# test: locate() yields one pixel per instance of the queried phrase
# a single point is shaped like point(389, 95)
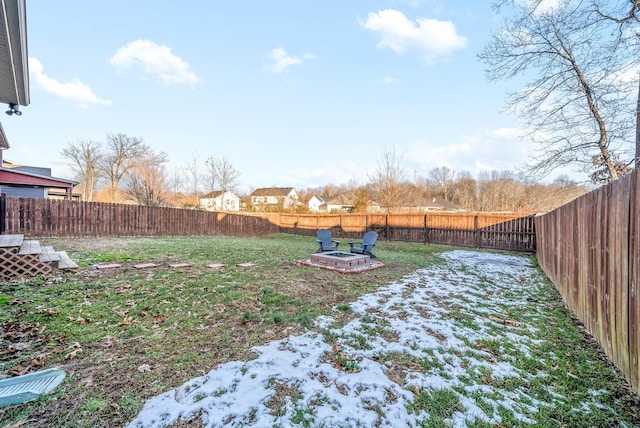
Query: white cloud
point(388, 80)
point(545, 6)
point(628, 74)
point(280, 60)
point(509, 133)
point(75, 90)
point(337, 173)
point(155, 60)
point(431, 37)
point(497, 149)
point(435, 5)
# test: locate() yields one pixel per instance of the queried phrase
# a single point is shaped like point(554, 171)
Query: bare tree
point(577, 105)
point(466, 191)
point(177, 181)
point(122, 155)
point(227, 174)
point(221, 174)
point(146, 183)
point(86, 157)
point(192, 175)
point(388, 182)
point(442, 180)
point(361, 202)
point(211, 174)
point(624, 16)
point(617, 12)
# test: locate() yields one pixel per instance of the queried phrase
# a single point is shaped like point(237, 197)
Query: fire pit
point(341, 261)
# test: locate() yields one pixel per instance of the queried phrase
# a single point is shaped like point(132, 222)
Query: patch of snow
point(424, 317)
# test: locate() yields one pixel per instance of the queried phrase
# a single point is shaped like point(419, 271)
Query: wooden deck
point(30, 247)
point(65, 261)
point(25, 258)
point(11, 240)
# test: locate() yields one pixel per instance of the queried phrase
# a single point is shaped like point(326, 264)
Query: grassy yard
point(125, 335)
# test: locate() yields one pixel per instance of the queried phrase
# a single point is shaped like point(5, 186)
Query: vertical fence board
point(60, 218)
point(589, 249)
point(33, 217)
point(634, 282)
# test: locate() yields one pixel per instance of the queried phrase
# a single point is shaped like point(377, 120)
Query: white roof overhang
point(14, 57)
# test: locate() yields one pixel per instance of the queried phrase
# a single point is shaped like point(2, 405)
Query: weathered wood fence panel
point(482, 230)
point(47, 217)
point(590, 249)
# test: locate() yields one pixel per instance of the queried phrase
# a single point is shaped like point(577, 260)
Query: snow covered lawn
point(454, 345)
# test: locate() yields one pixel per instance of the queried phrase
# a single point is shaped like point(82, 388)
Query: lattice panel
point(13, 264)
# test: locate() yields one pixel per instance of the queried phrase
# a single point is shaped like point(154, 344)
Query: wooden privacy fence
point(47, 217)
point(482, 230)
point(590, 249)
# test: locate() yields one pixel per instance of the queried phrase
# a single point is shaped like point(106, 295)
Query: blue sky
point(292, 93)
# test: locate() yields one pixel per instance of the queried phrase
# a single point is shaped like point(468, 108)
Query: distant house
point(346, 203)
point(274, 198)
point(315, 204)
point(430, 204)
point(33, 182)
point(220, 200)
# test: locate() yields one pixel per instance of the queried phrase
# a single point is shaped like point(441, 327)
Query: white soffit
point(14, 68)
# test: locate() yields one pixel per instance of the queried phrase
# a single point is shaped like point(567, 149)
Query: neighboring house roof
point(21, 175)
point(215, 194)
point(272, 191)
point(433, 204)
point(442, 204)
point(14, 176)
point(342, 199)
point(348, 199)
point(14, 62)
point(319, 198)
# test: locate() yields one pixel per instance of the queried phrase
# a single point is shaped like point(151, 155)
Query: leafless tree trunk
point(146, 183)
point(626, 16)
point(466, 191)
point(443, 180)
point(388, 182)
point(227, 174)
point(192, 173)
point(122, 155)
point(211, 174)
point(86, 157)
point(576, 105)
point(221, 172)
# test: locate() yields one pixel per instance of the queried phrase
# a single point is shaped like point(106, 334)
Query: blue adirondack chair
point(366, 245)
point(325, 242)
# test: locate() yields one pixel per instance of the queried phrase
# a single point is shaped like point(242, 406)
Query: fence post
point(476, 238)
point(386, 226)
point(3, 212)
point(426, 231)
